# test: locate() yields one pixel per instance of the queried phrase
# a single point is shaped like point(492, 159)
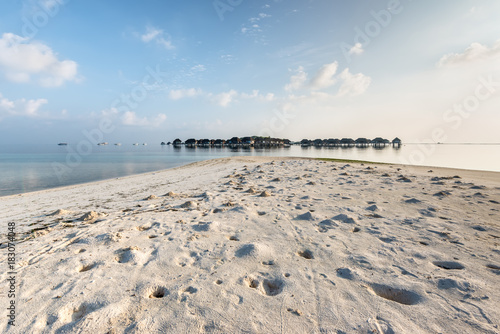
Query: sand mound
point(254, 250)
point(344, 219)
point(251, 190)
point(305, 216)
point(91, 215)
point(59, 212)
point(189, 205)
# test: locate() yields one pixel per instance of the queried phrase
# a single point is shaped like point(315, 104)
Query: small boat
point(118, 144)
point(144, 144)
point(136, 144)
point(63, 144)
point(103, 143)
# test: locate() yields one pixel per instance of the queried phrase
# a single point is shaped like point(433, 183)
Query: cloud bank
point(22, 60)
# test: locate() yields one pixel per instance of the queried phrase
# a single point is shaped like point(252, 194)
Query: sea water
point(36, 167)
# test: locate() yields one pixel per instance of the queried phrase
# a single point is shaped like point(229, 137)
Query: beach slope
point(259, 245)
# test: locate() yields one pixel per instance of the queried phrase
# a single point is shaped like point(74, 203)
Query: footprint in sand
point(380, 326)
point(268, 287)
point(75, 313)
point(184, 261)
point(190, 290)
point(448, 265)
point(294, 311)
point(345, 273)
point(401, 296)
point(143, 228)
point(494, 268)
point(126, 255)
point(448, 283)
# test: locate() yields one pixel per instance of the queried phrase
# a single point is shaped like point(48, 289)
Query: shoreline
point(486, 174)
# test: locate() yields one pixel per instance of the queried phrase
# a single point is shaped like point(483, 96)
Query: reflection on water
point(30, 168)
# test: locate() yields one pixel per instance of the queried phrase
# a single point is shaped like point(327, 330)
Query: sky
point(154, 70)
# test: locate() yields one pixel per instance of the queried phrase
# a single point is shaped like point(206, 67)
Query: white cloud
point(151, 33)
point(130, 118)
point(353, 84)
point(325, 76)
point(50, 4)
point(21, 107)
point(177, 94)
point(474, 52)
point(254, 30)
point(357, 49)
point(225, 99)
point(198, 68)
point(297, 81)
point(156, 35)
point(21, 59)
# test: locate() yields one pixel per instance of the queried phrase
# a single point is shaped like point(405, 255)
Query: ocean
point(26, 168)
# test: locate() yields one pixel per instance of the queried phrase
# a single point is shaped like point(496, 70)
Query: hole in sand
point(306, 254)
point(272, 287)
point(218, 282)
point(401, 296)
point(158, 292)
point(448, 265)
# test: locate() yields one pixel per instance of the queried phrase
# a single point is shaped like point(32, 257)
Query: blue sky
point(156, 70)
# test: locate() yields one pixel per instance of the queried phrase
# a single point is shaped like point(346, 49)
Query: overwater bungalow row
point(266, 142)
point(349, 142)
point(235, 142)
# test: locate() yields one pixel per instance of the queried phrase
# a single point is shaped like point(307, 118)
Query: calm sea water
point(30, 168)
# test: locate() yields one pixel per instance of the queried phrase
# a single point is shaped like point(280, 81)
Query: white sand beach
point(259, 245)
